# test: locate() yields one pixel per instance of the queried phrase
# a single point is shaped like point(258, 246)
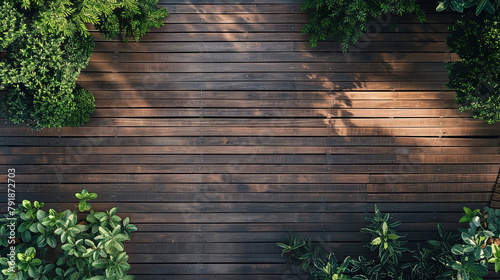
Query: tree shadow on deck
point(219, 134)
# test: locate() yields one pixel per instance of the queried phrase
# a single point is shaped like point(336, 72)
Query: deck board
point(222, 131)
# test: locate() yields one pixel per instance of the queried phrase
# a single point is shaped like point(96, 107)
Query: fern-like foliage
point(346, 21)
point(132, 19)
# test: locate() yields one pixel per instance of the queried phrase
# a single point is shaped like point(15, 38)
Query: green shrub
point(84, 107)
point(132, 18)
point(347, 21)
point(452, 257)
point(46, 44)
point(87, 249)
point(476, 76)
point(40, 73)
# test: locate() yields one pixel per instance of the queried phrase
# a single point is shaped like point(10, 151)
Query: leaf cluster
point(45, 44)
point(346, 21)
point(90, 249)
point(489, 6)
point(454, 256)
point(476, 76)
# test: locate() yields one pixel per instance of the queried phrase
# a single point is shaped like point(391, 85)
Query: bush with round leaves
point(88, 249)
point(476, 76)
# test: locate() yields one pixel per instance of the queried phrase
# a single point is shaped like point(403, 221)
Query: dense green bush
point(346, 21)
point(453, 256)
point(88, 249)
point(476, 76)
point(46, 44)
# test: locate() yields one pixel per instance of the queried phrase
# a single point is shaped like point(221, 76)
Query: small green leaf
point(441, 6)
point(464, 219)
point(476, 221)
point(376, 241)
point(51, 241)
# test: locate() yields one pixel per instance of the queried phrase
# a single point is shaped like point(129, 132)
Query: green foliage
point(490, 6)
point(45, 45)
point(82, 251)
point(312, 259)
point(452, 257)
point(475, 77)
point(347, 21)
point(132, 18)
point(387, 242)
point(432, 257)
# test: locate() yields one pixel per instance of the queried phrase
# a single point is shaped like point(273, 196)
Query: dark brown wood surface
point(223, 131)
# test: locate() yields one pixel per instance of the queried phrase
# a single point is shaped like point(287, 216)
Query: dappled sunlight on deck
point(223, 131)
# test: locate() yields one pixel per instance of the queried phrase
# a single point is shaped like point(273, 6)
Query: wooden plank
point(271, 37)
point(223, 130)
point(128, 78)
point(262, 67)
point(239, 150)
point(337, 141)
point(264, 95)
point(268, 57)
point(84, 168)
point(208, 47)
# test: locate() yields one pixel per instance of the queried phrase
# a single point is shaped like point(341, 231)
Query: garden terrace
point(223, 131)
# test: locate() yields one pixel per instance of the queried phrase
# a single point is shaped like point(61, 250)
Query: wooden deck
point(223, 131)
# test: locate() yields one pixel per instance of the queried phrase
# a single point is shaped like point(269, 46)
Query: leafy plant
point(476, 76)
point(45, 45)
point(490, 6)
point(452, 257)
point(432, 257)
point(82, 252)
point(347, 21)
point(312, 259)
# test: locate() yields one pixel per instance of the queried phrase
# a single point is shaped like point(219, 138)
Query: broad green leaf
point(40, 215)
point(116, 230)
point(121, 237)
point(80, 264)
point(458, 249)
point(489, 7)
point(467, 239)
point(470, 3)
point(385, 228)
point(476, 221)
point(32, 271)
point(480, 6)
point(457, 6)
point(66, 247)
point(441, 6)
point(104, 231)
point(376, 241)
point(51, 241)
point(464, 219)
point(100, 263)
point(118, 245)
